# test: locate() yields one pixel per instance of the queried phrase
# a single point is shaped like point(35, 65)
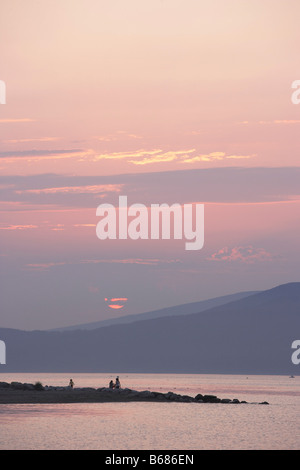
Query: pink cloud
point(42, 266)
point(117, 136)
point(244, 254)
point(93, 290)
point(148, 262)
point(93, 189)
point(139, 261)
point(22, 141)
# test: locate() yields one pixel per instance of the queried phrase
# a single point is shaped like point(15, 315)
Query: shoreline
point(18, 393)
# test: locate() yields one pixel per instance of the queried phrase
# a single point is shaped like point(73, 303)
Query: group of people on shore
point(112, 384)
point(117, 384)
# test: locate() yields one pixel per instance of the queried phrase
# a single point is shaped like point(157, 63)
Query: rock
point(28, 386)
point(133, 394)
point(146, 394)
point(186, 399)
point(127, 393)
point(172, 396)
point(199, 397)
point(211, 399)
point(132, 391)
point(4, 385)
point(17, 385)
point(159, 396)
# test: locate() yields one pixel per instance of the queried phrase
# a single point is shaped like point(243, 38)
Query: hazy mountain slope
point(250, 336)
point(193, 307)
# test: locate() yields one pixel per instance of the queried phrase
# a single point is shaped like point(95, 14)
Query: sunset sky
point(165, 101)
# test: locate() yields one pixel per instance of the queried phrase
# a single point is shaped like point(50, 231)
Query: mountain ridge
point(183, 309)
point(252, 335)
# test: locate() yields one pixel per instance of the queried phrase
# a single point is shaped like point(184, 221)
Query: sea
point(159, 426)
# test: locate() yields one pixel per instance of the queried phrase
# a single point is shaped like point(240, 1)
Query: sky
point(168, 101)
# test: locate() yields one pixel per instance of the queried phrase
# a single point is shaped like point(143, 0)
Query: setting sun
point(116, 303)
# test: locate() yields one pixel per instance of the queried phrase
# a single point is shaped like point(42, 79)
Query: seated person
point(111, 384)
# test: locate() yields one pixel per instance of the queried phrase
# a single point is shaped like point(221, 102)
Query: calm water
point(154, 426)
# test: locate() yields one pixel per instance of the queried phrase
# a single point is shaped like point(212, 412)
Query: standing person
point(71, 383)
point(118, 385)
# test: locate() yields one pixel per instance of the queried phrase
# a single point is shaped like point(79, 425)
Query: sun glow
point(116, 303)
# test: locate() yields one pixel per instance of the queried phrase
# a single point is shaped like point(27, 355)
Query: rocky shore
point(21, 393)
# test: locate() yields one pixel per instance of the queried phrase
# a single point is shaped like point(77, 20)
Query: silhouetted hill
point(252, 335)
point(185, 309)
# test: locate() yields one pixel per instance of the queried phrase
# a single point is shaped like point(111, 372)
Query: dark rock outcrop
point(17, 392)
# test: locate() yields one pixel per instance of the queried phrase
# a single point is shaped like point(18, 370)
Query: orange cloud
point(145, 157)
point(13, 120)
point(119, 299)
point(36, 155)
point(124, 155)
point(163, 157)
point(213, 156)
point(57, 227)
point(18, 227)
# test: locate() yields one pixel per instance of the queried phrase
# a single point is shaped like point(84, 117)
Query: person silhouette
point(71, 383)
point(118, 385)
